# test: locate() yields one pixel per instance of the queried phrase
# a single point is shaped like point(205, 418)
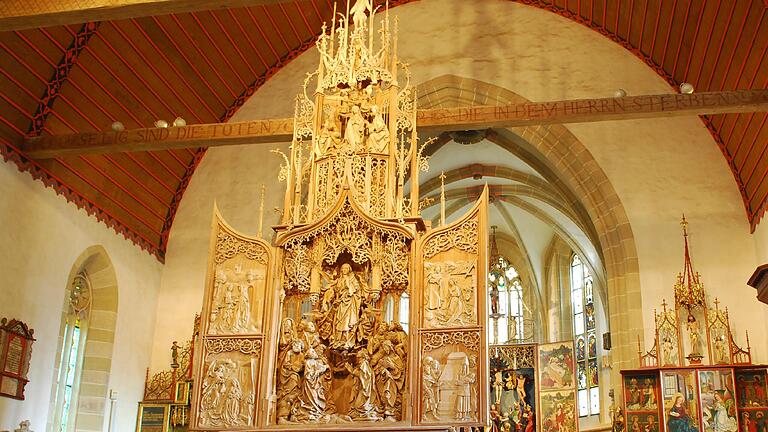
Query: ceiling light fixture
point(118, 126)
point(686, 88)
point(161, 124)
point(620, 93)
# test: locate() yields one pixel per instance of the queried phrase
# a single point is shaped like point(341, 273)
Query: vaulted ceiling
point(203, 66)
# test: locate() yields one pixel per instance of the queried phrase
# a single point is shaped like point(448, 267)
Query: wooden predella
point(356, 314)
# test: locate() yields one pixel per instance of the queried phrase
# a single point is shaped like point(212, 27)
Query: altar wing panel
point(452, 365)
point(228, 364)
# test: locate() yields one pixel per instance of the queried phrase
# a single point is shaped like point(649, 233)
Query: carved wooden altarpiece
point(355, 315)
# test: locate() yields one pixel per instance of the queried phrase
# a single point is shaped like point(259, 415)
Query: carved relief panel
point(453, 349)
point(228, 365)
point(450, 376)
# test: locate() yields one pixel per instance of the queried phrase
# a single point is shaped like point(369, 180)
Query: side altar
point(323, 326)
point(695, 378)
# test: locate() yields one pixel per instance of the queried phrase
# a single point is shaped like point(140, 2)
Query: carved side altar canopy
point(15, 354)
point(324, 325)
point(695, 377)
point(692, 332)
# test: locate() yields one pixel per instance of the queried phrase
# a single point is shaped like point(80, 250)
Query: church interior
point(394, 215)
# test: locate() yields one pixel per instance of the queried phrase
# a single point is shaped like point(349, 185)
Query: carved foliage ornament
point(464, 238)
point(346, 232)
point(434, 340)
point(228, 246)
point(246, 346)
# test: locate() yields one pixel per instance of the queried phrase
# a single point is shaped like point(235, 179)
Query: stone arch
point(567, 164)
point(94, 375)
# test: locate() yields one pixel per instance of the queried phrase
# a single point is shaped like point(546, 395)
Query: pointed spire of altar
point(689, 290)
point(442, 198)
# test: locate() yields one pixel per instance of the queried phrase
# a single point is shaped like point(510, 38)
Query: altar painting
point(718, 404)
point(681, 402)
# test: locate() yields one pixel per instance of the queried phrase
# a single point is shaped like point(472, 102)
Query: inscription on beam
point(430, 121)
point(588, 110)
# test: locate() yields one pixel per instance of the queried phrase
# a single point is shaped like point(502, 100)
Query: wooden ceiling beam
point(46, 13)
point(429, 121)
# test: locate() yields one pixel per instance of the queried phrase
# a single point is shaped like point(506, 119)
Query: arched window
point(506, 299)
point(585, 337)
point(72, 350)
point(403, 314)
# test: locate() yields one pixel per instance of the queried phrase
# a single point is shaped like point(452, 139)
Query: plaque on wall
point(152, 417)
point(15, 353)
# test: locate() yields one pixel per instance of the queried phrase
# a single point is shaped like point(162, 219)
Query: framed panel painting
point(558, 411)
point(751, 389)
point(513, 387)
point(681, 402)
point(718, 405)
point(556, 366)
point(641, 396)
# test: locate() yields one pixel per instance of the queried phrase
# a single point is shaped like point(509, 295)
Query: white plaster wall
point(42, 236)
point(660, 168)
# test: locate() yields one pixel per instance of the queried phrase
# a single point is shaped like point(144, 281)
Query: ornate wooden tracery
point(302, 331)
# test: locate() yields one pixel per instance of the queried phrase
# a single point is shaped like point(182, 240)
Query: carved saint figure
point(312, 402)
point(358, 11)
point(693, 333)
point(464, 382)
point(430, 378)
point(355, 129)
point(389, 378)
point(434, 287)
point(454, 307)
point(361, 404)
point(329, 138)
point(289, 380)
point(721, 349)
point(346, 294)
point(667, 352)
point(378, 132)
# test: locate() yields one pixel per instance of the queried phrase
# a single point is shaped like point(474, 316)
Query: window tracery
point(506, 299)
point(585, 338)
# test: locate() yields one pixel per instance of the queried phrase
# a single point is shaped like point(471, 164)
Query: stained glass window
point(71, 360)
point(506, 304)
point(584, 334)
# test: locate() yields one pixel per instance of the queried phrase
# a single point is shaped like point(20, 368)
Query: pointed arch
point(88, 400)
